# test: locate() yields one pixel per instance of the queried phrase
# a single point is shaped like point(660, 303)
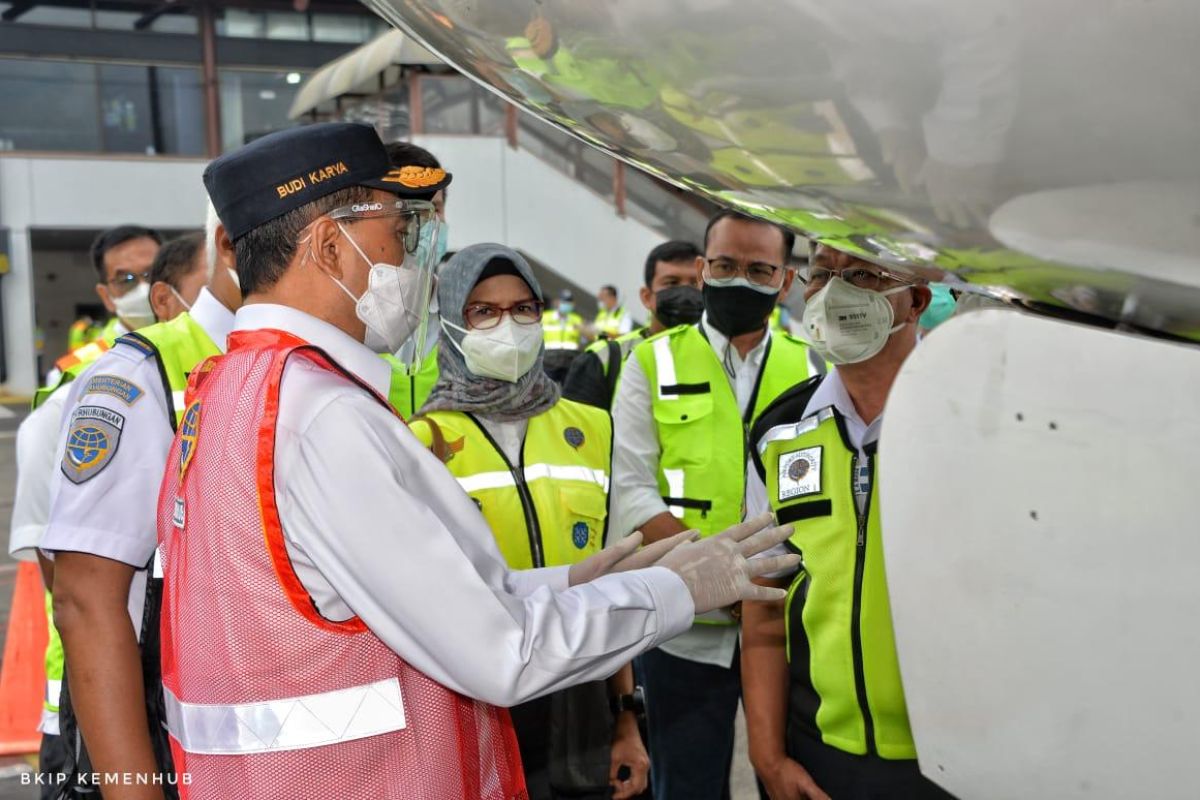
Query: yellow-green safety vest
point(550, 509)
point(561, 333)
point(701, 431)
point(841, 650)
point(407, 393)
point(609, 322)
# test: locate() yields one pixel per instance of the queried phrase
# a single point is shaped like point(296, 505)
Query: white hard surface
point(1042, 545)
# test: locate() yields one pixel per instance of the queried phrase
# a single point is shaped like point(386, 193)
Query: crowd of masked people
point(262, 584)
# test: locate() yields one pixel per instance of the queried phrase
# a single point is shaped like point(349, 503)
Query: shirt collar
point(212, 315)
point(720, 342)
point(350, 354)
point(831, 391)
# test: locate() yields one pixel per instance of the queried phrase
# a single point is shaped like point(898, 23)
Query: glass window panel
point(60, 16)
point(346, 28)
point(125, 113)
point(242, 24)
point(179, 105)
point(117, 20)
point(176, 23)
point(254, 103)
point(58, 106)
point(457, 105)
point(287, 25)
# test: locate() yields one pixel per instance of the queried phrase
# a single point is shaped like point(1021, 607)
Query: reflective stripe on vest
point(290, 723)
point(53, 692)
point(845, 677)
point(551, 507)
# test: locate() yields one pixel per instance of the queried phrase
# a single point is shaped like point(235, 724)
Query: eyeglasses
point(722, 270)
point(871, 278)
point(124, 282)
point(416, 214)
point(482, 316)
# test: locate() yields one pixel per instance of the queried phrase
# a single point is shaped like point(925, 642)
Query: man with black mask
point(686, 398)
point(672, 296)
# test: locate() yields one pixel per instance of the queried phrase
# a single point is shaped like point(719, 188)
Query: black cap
point(283, 171)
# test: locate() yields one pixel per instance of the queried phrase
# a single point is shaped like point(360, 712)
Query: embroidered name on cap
point(301, 182)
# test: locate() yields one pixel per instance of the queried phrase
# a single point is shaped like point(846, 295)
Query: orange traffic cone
point(23, 677)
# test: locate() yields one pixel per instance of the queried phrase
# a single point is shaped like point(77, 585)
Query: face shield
point(417, 229)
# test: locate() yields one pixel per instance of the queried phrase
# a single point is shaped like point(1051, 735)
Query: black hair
point(263, 253)
point(119, 235)
point(789, 238)
point(608, 287)
point(176, 259)
point(671, 252)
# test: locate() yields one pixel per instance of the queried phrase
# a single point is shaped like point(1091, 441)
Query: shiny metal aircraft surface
point(1048, 147)
point(1038, 475)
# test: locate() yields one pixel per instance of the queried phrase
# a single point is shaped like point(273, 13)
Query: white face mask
point(133, 307)
point(391, 306)
point(846, 324)
point(505, 352)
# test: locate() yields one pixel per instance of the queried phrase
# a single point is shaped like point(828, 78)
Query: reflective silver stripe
point(177, 400)
point(664, 364)
point(291, 723)
point(783, 433)
point(674, 478)
point(561, 345)
point(53, 692)
point(501, 479)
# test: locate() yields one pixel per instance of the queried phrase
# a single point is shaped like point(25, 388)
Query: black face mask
point(678, 305)
point(734, 310)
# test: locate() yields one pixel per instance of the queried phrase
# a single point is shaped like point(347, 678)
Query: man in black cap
point(337, 620)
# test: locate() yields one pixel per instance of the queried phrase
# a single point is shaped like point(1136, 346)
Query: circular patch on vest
point(579, 534)
point(798, 469)
point(189, 429)
point(574, 436)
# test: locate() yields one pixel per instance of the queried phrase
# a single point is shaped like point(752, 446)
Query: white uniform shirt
point(636, 497)
point(375, 526)
point(113, 513)
point(37, 461)
point(830, 392)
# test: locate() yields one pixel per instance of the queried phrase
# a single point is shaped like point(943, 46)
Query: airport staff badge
point(91, 442)
point(800, 473)
point(189, 429)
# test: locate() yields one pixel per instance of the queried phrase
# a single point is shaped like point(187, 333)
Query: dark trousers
point(52, 760)
point(849, 777)
point(690, 711)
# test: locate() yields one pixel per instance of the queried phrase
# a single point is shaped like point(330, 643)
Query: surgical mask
point(392, 305)
point(846, 324)
point(941, 307)
point(738, 306)
point(133, 307)
point(505, 352)
point(566, 308)
point(179, 297)
point(678, 305)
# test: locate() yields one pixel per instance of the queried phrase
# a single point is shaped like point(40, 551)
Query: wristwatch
point(635, 702)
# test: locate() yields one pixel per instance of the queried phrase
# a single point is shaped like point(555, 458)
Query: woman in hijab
point(537, 465)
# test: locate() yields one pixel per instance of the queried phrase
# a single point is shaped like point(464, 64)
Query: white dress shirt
point(37, 461)
point(376, 527)
point(114, 513)
point(830, 393)
point(636, 496)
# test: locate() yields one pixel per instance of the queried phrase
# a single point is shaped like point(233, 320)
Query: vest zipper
point(860, 563)
point(518, 473)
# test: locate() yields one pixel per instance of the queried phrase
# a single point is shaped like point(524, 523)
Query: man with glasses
point(119, 417)
point(824, 703)
point(122, 257)
point(686, 398)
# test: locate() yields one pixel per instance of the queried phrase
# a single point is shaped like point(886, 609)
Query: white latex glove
point(624, 555)
point(718, 570)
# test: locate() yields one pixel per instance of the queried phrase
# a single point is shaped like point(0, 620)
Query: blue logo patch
point(91, 442)
point(189, 429)
point(125, 391)
point(574, 437)
point(579, 534)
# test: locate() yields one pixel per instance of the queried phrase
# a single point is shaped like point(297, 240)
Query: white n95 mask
point(846, 324)
point(392, 305)
point(133, 307)
point(505, 352)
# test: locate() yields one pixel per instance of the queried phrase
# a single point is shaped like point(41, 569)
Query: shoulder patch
point(124, 390)
point(92, 442)
point(189, 431)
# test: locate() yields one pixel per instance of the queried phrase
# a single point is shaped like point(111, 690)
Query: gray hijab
point(459, 389)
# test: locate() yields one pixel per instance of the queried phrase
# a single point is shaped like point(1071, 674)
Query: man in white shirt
point(101, 529)
point(360, 528)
